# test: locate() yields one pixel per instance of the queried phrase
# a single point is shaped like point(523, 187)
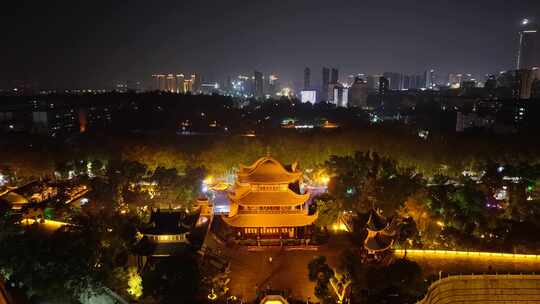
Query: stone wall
point(484, 289)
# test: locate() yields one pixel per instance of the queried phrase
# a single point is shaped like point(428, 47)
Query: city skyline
point(98, 46)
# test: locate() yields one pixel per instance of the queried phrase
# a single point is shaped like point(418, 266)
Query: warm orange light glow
point(208, 180)
point(50, 224)
point(212, 295)
point(340, 226)
point(325, 179)
point(466, 254)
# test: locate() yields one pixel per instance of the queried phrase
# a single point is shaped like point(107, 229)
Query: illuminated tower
point(529, 46)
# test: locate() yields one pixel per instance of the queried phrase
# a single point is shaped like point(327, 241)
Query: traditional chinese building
point(167, 234)
point(267, 202)
point(380, 235)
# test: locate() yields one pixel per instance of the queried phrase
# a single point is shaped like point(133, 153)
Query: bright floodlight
point(525, 21)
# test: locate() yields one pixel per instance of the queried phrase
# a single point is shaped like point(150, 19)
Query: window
point(262, 188)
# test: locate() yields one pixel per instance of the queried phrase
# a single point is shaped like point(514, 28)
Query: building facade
point(307, 79)
point(267, 202)
point(325, 84)
point(528, 56)
point(358, 93)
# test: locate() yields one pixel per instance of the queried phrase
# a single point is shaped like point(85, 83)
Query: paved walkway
point(251, 270)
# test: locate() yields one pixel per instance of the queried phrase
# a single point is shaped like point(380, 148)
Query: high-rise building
point(454, 80)
point(431, 79)
point(395, 80)
point(171, 83)
point(180, 83)
point(335, 76)
point(241, 86)
point(190, 84)
point(358, 93)
point(228, 85)
point(340, 95)
point(325, 84)
point(159, 82)
point(384, 83)
point(273, 85)
point(420, 81)
point(373, 82)
point(308, 96)
point(529, 46)
point(307, 78)
point(174, 83)
point(258, 82)
point(209, 88)
point(526, 79)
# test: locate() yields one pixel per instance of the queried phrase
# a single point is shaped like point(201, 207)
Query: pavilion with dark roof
point(168, 233)
point(380, 234)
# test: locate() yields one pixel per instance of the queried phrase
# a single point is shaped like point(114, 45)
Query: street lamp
point(212, 296)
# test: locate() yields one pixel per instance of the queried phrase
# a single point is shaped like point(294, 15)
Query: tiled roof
point(268, 170)
point(269, 198)
point(270, 220)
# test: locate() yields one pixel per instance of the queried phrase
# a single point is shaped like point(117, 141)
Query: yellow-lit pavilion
point(267, 202)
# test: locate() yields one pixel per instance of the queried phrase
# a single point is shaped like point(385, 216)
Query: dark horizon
point(95, 45)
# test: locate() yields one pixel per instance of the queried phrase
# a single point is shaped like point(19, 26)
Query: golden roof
point(270, 220)
point(267, 170)
point(268, 198)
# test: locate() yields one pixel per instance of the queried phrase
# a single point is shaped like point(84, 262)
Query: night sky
point(91, 44)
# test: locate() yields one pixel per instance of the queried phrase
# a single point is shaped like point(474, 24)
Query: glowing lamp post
point(212, 296)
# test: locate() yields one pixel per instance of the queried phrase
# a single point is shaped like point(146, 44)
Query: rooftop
point(270, 220)
point(167, 222)
point(376, 221)
point(267, 170)
point(269, 198)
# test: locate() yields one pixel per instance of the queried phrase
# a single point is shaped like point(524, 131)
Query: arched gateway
point(267, 202)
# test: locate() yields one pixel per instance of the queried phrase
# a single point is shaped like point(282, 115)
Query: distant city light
point(525, 21)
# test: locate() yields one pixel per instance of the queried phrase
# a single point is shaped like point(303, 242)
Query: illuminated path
point(48, 225)
point(433, 261)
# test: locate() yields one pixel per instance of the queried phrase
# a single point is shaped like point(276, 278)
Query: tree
point(368, 180)
point(173, 280)
point(321, 273)
point(328, 209)
point(402, 276)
